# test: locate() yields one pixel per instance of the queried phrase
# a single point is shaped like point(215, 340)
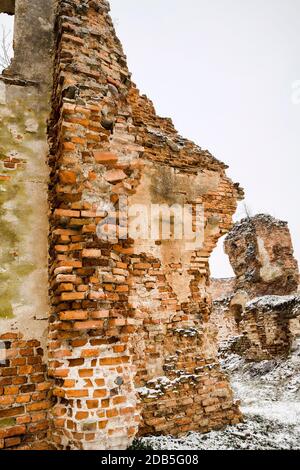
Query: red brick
point(72, 296)
point(67, 177)
point(6, 400)
point(9, 412)
point(105, 157)
point(77, 393)
point(44, 405)
point(12, 441)
point(90, 353)
point(12, 431)
point(85, 372)
point(80, 415)
point(91, 253)
point(74, 315)
point(88, 325)
point(113, 176)
point(92, 404)
point(66, 213)
point(101, 393)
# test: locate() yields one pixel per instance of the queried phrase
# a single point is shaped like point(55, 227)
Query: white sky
point(6, 30)
point(223, 70)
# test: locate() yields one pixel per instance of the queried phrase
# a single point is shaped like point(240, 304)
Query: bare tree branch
point(247, 211)
point(6, 49)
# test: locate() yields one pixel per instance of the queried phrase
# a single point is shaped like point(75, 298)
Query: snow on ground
point(269, 392)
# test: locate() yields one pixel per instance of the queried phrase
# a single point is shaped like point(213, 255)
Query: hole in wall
point(220, 266)
point(6, 39)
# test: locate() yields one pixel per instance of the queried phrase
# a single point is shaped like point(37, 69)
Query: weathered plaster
point(268, 271)
point(23, 198)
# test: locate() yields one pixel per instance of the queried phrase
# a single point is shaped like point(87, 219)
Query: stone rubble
point(270, 400)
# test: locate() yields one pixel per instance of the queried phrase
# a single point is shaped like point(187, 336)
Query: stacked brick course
point(24, 394)
point(267, 326)
point(119, 319)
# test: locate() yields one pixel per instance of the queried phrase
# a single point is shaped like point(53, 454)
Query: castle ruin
point(257, 313)
point(102, 340)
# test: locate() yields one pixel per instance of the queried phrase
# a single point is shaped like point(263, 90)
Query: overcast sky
point(223, 70)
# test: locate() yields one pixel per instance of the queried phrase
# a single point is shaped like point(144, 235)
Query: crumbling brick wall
point(24, 394)
point(266, 324)
point(129, 343)
point(261, 253)
point(24, 304)
point(223, 320)
point(126, 314)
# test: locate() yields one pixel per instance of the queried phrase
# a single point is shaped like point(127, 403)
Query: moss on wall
point(16, 213)
point(6, 422)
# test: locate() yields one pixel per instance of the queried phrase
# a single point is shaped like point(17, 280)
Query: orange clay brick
point(105, 157)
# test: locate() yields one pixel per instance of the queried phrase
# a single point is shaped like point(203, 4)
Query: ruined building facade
point(257, 313)
point(103, 339)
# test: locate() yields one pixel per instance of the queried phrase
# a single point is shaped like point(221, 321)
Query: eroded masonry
point(121, 344)
point(257, 313)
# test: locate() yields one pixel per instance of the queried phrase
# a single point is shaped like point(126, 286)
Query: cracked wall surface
point(130, 346)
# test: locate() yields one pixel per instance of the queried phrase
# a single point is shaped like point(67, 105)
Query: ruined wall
point(264, 328)
point(127, 347)
point(24, 305)
point(267, 324)
point(129, 318)
point(261, 253)
point(222, 288)
point(223, 320)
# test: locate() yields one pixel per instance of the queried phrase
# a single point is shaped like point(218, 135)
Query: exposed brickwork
point(267, 323)
point(261, 253)
point(24, 108)
point(223, 320)
point(120, 315)
point(24, 395)
point(130, 345)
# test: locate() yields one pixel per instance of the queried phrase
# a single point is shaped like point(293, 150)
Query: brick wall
point(222, 288)
point(128, 343)
point(24, 305)
point(261, 329)
point(24, 394)
point(260, 250)
point(121, 310)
